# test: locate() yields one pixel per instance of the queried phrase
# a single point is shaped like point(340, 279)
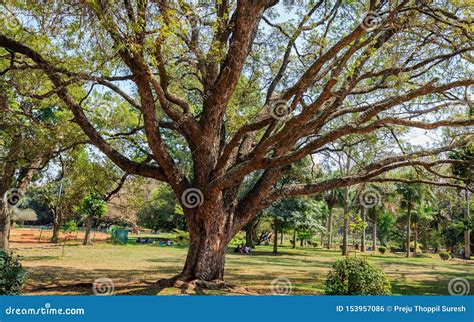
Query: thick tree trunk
point(408, 230)
point(88, 236)
point(362, 241)
point(211, 227)
point(5, 222)
point(206, 259)
point(275, 237)
point(467, 233)
point(329, 228)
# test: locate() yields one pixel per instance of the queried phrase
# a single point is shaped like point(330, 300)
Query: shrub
point(237, 241)
point(181, 236)
point(12, 274)
point(444, 256)
point(313, 243)
point(418, 247)
point(356, 276)
point(394, 247)
point(382, 249)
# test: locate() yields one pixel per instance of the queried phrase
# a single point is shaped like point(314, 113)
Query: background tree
point(31, 135)
point(91, 207)
point(160, 212)
point(385, 224)
point(465, 172)
point(331, 198)
point(410, 197)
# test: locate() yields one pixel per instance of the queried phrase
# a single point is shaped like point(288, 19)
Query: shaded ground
point(133, 269)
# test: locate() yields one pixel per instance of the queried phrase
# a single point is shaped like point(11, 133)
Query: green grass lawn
point(133, 267)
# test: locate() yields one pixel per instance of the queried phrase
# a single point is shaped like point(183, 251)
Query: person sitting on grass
point(238, 250)
point(247, 249)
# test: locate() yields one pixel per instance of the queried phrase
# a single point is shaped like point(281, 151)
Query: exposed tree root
point(196, 286)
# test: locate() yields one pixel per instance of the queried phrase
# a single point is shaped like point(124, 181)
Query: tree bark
point(208, 243)
point(88, 235)
point(362, 241)
point(408, 230)
point(329, 228)
point(206, 257)
point(281, 238)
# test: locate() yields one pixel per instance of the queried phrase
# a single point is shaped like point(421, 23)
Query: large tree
point(217, 92)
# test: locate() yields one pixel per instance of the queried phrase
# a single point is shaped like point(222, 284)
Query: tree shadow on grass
point(438, 286)
point(51, 280)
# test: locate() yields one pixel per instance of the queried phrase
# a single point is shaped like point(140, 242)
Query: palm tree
point(371, 203)
point(411, 195)
point(332, 199)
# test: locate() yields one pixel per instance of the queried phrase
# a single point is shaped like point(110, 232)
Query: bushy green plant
point(182, 236)
point(356, 276)
point(70, 226)
point(418, 247)
point(92, 205)
point(393, 246)
point(237, 241)
point(12, 274)
point(382, 249)
point(444, 256)
point(313, 243)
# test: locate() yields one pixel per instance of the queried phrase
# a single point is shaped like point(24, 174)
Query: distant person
point(237, 249)
point(247, 249)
